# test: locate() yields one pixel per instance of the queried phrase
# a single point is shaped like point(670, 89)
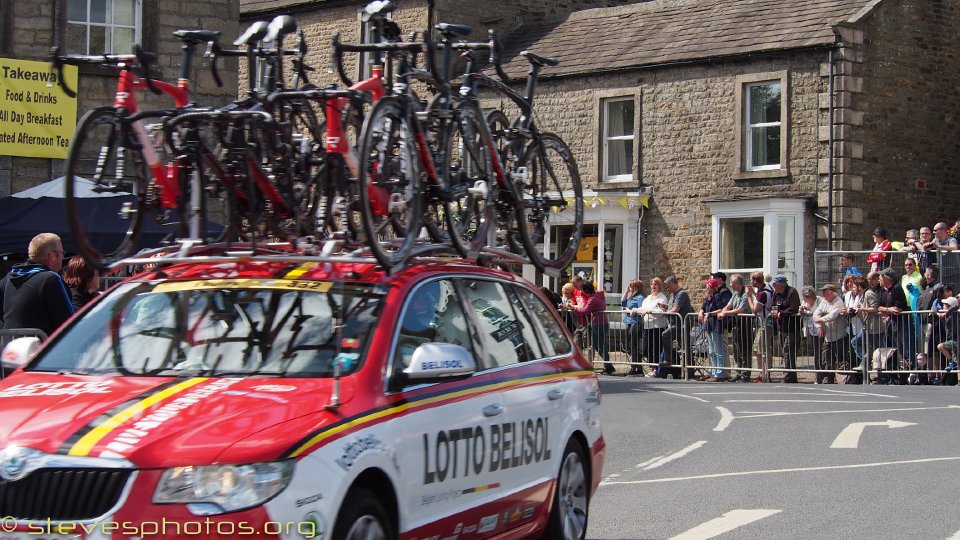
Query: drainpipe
point(830, 157)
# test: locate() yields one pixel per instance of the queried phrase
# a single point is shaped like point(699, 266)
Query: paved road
point(732, 460)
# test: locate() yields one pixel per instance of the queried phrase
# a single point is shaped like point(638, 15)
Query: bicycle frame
point(336, 142)
point(126, 99)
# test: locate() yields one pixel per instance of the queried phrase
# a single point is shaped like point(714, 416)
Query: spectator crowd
point(894, 326)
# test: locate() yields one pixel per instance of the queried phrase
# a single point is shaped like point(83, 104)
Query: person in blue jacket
point(33, 294)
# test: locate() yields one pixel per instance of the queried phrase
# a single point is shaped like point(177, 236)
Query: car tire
point(362, 517)
point(571, 498)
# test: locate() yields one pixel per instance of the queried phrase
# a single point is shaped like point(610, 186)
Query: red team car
point(290, 399)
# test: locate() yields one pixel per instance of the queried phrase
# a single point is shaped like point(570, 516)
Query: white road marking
point(761, 414)
point(817, 401)
point(753, 394)
point(850, 436)
point(647, 462)
point(781, 471)
point(726, 417)
point(685, 396)
point(854, 393)
point(730, 521)
point(956, 536)
point(664, 460)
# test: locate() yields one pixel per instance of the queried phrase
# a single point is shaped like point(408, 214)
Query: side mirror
point(17, 353)
point(437, 362)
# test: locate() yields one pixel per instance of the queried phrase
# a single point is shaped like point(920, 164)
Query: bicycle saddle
point(197, 36)
point(253, 34)
point(378, 7)
point(450, 31)
point(280, 26)
point(535, 58)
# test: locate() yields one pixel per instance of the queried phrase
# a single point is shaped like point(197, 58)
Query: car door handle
point(493, 410)
point(554, 394)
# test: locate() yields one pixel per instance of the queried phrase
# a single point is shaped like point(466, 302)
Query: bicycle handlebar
point(319, 93)
point(139, 60)
point(392, 46)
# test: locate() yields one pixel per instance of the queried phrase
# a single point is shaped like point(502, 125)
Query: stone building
point(718, 134)
point(29, 28)
point(766, 129)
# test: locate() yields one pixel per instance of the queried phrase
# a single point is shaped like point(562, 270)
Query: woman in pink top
point(593, 311)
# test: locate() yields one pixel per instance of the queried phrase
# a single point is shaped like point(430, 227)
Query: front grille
point(63, 494)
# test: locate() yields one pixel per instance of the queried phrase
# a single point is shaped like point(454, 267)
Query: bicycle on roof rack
point(382, 175)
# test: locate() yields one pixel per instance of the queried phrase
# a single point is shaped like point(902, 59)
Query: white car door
point(444, 440)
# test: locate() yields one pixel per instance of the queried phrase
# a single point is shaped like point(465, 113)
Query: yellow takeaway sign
point(37, 118)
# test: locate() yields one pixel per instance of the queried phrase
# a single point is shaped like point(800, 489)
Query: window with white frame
point(103, 26)
point(618, 139)
point(764, 234)
point(763, 125)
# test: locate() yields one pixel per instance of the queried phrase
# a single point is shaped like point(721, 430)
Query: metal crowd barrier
point(904, 351)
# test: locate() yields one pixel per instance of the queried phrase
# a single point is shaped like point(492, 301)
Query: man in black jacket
point(786, 308)
point(33, 294)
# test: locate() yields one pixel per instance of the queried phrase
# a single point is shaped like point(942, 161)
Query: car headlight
point(217, 489)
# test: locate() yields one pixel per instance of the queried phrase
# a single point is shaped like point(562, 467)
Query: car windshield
point(268, 327)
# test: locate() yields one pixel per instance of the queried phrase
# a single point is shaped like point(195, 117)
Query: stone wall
point(910, 129)
point(34, 25)
point(688, 145)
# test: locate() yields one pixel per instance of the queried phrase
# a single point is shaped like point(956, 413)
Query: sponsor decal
point(349, 343)
point(274, 388)
point(516, 515)
point(136, 432)
point(478, 489)
point(357, 448)
point(441, 364)
point(488, 524)
point(471, 450)
point(56, 389)
point(441, 496)
point(470, 529)
point(308, 500)
point(244, 283)
point(385, 413)
point(529, 510)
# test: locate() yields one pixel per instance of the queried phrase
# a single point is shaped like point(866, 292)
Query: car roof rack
point(305, 250)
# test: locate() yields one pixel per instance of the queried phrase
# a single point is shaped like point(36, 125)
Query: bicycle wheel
point(550, 184)
point(103, 152)
point(390, 180)
point(468, 167)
